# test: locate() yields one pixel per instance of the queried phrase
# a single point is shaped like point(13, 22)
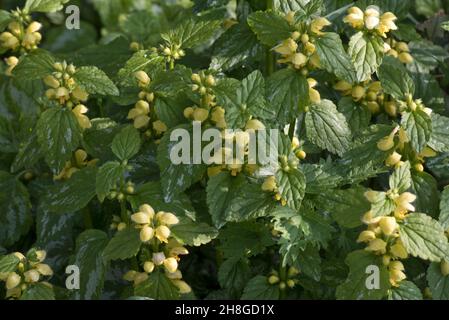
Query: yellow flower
point(405, 57)
point(393, 159)
point(299, 60)
point(143, 78)
point(254, 124)
point(358, 92)
point(44, 269)
point(171, 264)
point(287, 47)
point(444, 266)
point(200, 114)
point(372, 19)
point(387, 23)
point(366, 236)
point(343, 86)
point(31, 276)
point(355, 17)
point(13, 280)
point(147, 209)
point(396, 276)
point(141, 218)
point(273, 279)
point(162, 233)
point(388, 225)
point(269, 184)
point(159, 126)
point(130, 275)
point(405, 200)
point(398, 250)
point(182, 286)
point(318, 24)
point(167, 218)
point(148, 267)
point(146, 234)
point(377, 246)
point(83, 120)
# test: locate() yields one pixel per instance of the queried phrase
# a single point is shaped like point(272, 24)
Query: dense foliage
point(357, 90)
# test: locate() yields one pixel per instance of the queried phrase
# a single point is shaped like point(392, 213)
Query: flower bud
point(399, 251)
point(377, 245)
point(143, 106)
point(291, 283)
point(141, 218)
point(200, 114)
point(34, 27)
point(295, 35)
point(158, 258)
point(146, 234)
point(254, 124)
point(269, 184)
point(140, 277)
point(177, 275)
point(393, 159)
point(41, 255)
point(13, 280)
point(419, 167)
point(159, 126)
point(19, 256)
point(148, 267)
point(44, 269)
point(80, 94)
point(121, 226)
point(273, 279)
point(167, 218)
point(386, 144)
point(366, 236)
point(358, 92)
point(176, 251)
point(171, 264)
point(162, 233)
point(142, 77)
point(51, 82)
point(188, 112)
point(388, 225)
point(31, 276)
point(444, 266)
point(196, 78)
point(386, 259)
point(183, 287)
point(130, 275)
point(405, 57)
point(343, 86)
point(210, 81)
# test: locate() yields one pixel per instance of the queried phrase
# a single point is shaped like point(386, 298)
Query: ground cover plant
point(355, 204)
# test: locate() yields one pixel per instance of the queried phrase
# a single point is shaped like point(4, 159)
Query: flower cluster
point(142, 113)
point(165, 250)
point(64, 90)
point(382, 236)
point(30, 269)
point(79, 161)
point(368, 94)
point(400, 50)
point(395, 144)
point(22, 35)
point(289, 280)
point(371, 20)
point(172, 52)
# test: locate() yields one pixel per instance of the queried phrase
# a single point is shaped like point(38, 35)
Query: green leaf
point(5, 19)
point(38, 291)
point(444, 209)
point(327, 128)
point(334, 58)
point(157, 286)
point(292, 187)
point(244, 239)
point(8, 263)
point(127, 143)
point(270, 27)
point(44, 5)
point(426, 56)
point(245, 101)
point(234, 274)
point(29, 153)
point(424, 237)
point(401, 179)
point(382, 205)
point(407, 290)
point(438, 284)
point(193, 32)
point(221, 190)
point(439, 139)
point(59, 134)
point(73, 194)
point(88, 257)
point(355, 286)
point(95, 81)
point(357, 116)
point(347, 206)
point(305, 7)
point(366, 52)
point(395, 79)
point(258, 288)
point(177, 177)
point(34, 66)
point(107, 178)
point(193, 233)
point(425, 187)
point(15, 213)
point(418, 126)
point(235, 47)
point(288, 93)
point(124, 245)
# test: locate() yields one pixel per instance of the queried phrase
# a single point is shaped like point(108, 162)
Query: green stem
point(172, 64)
point(88, 224)
point(283, 277)
point(292, 129)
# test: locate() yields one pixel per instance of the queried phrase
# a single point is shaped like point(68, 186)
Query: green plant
point(357, 91)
